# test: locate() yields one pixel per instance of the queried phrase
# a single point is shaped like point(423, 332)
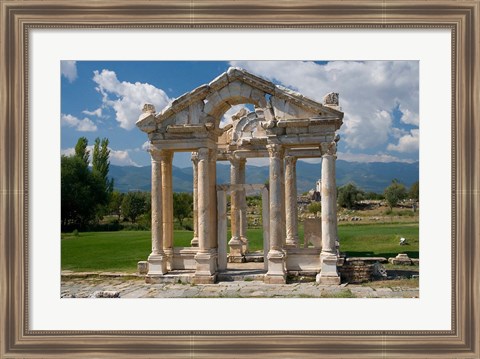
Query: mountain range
point(370, 177)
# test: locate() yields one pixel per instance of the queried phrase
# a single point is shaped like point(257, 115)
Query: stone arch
point(289, 126)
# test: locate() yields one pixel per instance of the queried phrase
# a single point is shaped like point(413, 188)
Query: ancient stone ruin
point(284, 127)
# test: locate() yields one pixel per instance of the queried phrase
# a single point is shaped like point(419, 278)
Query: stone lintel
point(301, 122)
point(187, 128)
point(191, 144)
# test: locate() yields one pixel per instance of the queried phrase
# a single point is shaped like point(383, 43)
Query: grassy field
point(120, 251)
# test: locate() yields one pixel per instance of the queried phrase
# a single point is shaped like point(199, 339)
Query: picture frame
point(18, 17)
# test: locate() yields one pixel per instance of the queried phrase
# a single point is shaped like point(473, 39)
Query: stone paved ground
point(131, 287)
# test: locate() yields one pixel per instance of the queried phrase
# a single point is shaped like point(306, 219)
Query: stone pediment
point(207, 103)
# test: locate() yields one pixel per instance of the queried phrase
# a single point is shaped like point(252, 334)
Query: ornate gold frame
point(17, 17)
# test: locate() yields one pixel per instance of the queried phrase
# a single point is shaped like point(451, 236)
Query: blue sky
point(380, 100)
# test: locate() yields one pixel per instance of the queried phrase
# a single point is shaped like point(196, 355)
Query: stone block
point(401, 259)
point(276, 268)
point(313, 232)
point(328, 275)
point(142, 267)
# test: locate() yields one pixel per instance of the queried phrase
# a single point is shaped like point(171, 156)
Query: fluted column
point(243, 207)
point(276, 256)
point(328, 256)
point(157, 265)
point(212, 173)
point(194, 241)
point(206, 258)
point(291, 200)
point(235, 243)
point(166, 158)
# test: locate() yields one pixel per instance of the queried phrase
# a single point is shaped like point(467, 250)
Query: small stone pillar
point(157, 261)
point(235, 243)
point(291, 201)
point(265, 225)
point(276, 256)
point(166, 158)
point(222, 228)
point(328, 257)
point(194, 241)
point(243, 206)
point(206, 257)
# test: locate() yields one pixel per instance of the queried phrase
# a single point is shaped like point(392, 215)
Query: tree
point(134, 204)
point(314, 207)
point(81, 150)
point(115, 205)
point(80, 192)
point(413, 193)
point(395, 193)
point(348, 195)
point(100, 167)
point(182, 206)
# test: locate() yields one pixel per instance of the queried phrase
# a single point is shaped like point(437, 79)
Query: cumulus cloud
point(97, 112)
point(117, 157)
point(69, 69)
point(408, 143)
point(363, 157)
point(369, 91)
point(126, 98)
point(85, 125)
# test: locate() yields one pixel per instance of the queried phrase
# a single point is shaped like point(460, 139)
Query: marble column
point(212, 172)
point(157, 264)
point(276, 256)
point(205, 258)
point(328, 256)
point(291, 201)
point(166, 158)
point(235, 243)
point(194, 241)
point(243, 207)
point(222, 229)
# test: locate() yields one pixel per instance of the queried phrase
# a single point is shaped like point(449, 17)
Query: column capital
point(203, 154)
point(161, 155)
point(290, 160)
point(275, 150)
point(195, 158)
point(328, 148)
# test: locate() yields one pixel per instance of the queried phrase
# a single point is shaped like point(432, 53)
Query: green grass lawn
point(120, 251)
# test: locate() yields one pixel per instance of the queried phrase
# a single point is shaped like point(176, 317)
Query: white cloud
point(407, 143)
point(121, 158)
point(369, 91)
point(363, 157)
point(85, 125)
point(146, 146)
point(97, 112)
point(117, 157)
point(129, 98)
point(69, 69)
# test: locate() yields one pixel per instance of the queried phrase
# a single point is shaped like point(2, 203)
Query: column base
point(236, 250)
point(206, 268)
point(169, 258)
point(157, 266)
point(244, 244)
point(292, 242)
point(328, 274)
point(276, 273)
point(194, 242)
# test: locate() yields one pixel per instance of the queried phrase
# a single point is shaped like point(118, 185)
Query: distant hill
point(373, 176)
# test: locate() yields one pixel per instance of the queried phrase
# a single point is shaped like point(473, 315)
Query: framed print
point(42, 42)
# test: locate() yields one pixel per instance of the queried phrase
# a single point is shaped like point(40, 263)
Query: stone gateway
point(284, 127)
